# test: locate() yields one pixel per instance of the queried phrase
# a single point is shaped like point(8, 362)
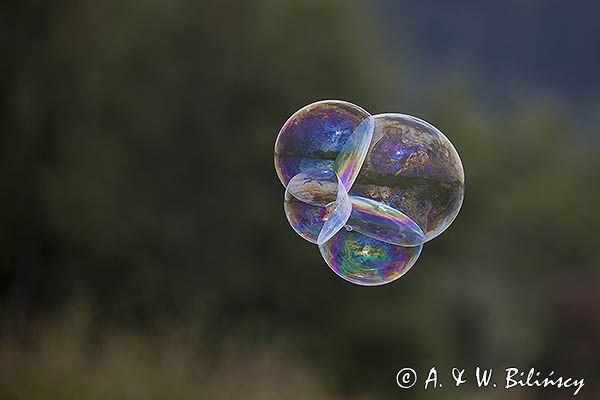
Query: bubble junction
point(392, 181)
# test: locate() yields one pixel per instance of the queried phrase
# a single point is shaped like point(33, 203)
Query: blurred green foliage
point(137, 178)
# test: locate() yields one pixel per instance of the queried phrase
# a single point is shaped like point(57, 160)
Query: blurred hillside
point(144, 252)
point(509, 49)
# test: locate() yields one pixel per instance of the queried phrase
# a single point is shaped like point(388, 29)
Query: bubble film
point(384, 223)
point(316, 204)
point(412, 167)
point(351, 157)
point(367, 261)
point(316, 134)
point(368, 190)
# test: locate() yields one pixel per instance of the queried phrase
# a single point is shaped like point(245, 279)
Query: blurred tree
point(138, 138)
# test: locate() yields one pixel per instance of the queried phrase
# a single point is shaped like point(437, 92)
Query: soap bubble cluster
point(367, 190)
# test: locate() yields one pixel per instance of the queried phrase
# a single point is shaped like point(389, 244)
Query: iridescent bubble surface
point(412, 167)
point(384, 223)
point(341, 210)
point(351, 157)
point(368, 190)
point(316, 204)
point(314, 136)
point(366, 261)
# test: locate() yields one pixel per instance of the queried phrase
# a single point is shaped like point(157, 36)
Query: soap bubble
point(316, 134)
point(316, 204)
point(350, 159)
point(392, 181)
point(383, 223)
point(379, 244)
point(412, 167)
point(366, 261)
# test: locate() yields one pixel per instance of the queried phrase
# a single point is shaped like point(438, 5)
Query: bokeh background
point(144, 253)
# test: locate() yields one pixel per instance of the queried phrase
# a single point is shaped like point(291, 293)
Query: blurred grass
point(64, 359)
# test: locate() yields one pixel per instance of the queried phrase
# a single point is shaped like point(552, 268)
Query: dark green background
point(144, 253)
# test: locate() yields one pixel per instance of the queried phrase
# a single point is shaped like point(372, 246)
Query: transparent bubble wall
point(368, 190)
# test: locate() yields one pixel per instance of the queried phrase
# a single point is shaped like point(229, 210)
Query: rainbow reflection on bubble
point(366, 261)
point(412, 167)
point(384, 223)
point(368, 190)
point(351, 157)
point(316, 204)
point(314, 137)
